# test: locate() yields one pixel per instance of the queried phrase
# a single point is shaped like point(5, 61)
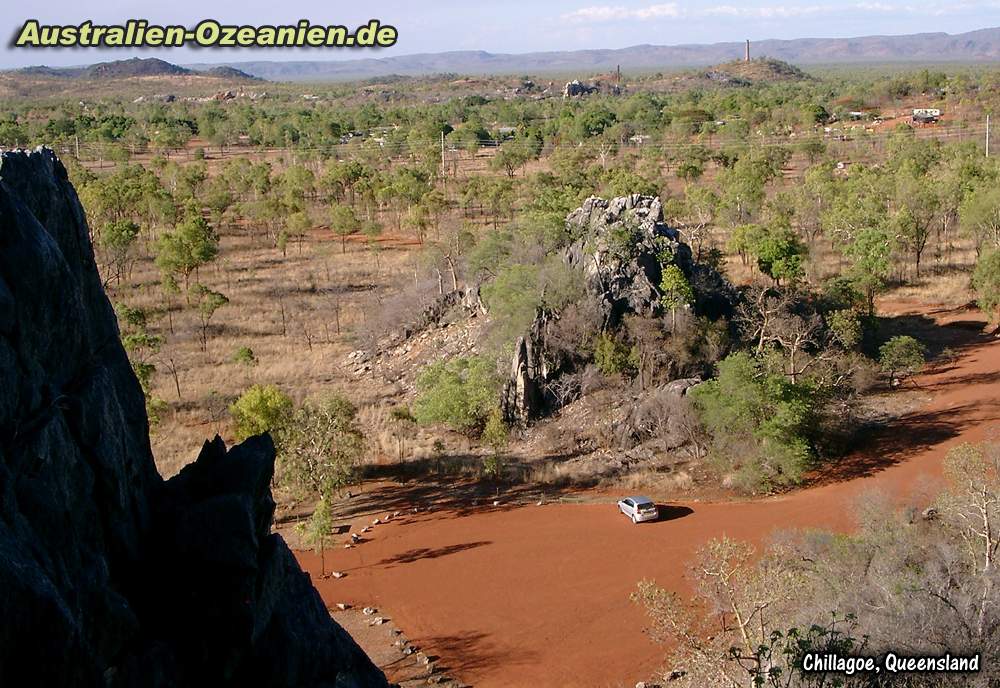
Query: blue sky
point(511, 26)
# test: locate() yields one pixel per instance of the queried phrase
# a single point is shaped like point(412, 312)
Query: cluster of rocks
point(619, 244)
point(110, 575)
point(575, 89)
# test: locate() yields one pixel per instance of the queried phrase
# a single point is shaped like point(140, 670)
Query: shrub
point(846, 327)
point(245, 356)
point(319, 447)
point(496, 436)
point(262, 408)
point(460, 392)
point(986, 282)
point(901, 357)
point(613, 357)
point(759, 422)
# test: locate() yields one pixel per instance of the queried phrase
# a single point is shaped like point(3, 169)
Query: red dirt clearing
point(539, 595)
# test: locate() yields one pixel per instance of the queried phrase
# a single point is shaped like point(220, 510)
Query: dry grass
point(285, 308)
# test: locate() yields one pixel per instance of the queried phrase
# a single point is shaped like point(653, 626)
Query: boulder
point(110, 576)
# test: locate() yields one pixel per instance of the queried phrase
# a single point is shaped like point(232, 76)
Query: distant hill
point(135, 67)
point(761, 69)
point(224, 72)
point(975, 46)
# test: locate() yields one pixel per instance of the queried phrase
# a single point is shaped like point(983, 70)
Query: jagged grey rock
point(619, 245)
point(574, 89)
point(110, 576)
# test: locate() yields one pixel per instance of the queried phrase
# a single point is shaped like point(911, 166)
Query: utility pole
point(987, 136)
point(442, 156)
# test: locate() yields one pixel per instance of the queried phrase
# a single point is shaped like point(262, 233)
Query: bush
point(901, 357)
point(986, 282)
point(759, 422)
point(460, 392)
point(319, 447)
point(519, 290)
point(262, 408)
point(612, 357)
point(244, 356)
point(496, 435)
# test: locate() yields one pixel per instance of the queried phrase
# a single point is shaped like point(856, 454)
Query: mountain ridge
point(978, 46)
point(981, 45)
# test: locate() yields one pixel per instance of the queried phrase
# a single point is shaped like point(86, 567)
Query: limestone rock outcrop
point(620, 246)
point(110, 576)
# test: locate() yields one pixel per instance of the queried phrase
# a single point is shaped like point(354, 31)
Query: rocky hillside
point(758, 70)
point(108, 575)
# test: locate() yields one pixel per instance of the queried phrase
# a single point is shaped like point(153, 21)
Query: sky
point(512, 26)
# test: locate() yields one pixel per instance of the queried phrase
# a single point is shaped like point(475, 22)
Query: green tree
point(297, 225)
point(460, 392)
point(261, 408)
point(779, 252)
point(918, 210)
point(316, 531)
point(139, 343)
point(319, 447)
point(986, 282)
point(613, 357)
point(185, 249)
point(901, 357)
point(117, 238)
point(979, 216)
point(343, 223)
point(759, 422)
point(244, 356)
point(208, 303)
point(871, 255)
point(496, 436)
point(676, 291)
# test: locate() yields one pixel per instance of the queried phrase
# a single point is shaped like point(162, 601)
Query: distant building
point(926, 115)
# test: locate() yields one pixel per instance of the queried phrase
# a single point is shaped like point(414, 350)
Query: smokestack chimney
point(747, 58)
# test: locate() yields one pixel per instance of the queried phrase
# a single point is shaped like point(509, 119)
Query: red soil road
point(539, 595)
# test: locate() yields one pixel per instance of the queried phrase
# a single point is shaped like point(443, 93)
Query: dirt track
point(538, 595)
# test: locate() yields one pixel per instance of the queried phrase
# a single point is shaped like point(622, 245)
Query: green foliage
point(759, 422)
point(460, 392)
point(343, 223)
point(846, 327)
point(986, 281)
point(979, 216)
point(619, 181)
point(613, 357)
point(244, 356)
point(779, 253)
point(117, 238)
point(319, 447)
point(261, 408)
point(207, 302)
point(519, 290)
point(190, 245)
point(139, 343)
point(676, 292)
point(317, 530)
point(901, 357)
point(496, 436)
